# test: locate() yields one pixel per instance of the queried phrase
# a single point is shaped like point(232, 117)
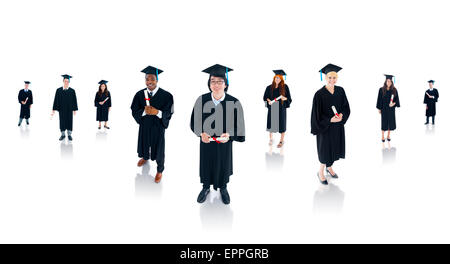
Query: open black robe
point(330, 136)
point(65, 103)
point(387, 113)
point(25, 108)
point(151, 141)
point(216, 159)
point(102, 110)
point(281, 105)
point(431, 102)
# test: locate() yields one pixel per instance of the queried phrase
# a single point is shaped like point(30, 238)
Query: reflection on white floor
point(145, 185)
point(66, 149)
point(214, 214)
point(389, 153)
point(274, 158)
point(328, 199)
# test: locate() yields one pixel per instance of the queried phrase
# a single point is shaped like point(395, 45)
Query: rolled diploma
point(334, 111)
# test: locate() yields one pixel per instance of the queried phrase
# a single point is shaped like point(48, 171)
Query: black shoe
point(389, 139)
point(99, 127)
point(18, 125)
point(62, 138)
point(332, 176)
point(225, 196)
point(383, 140)
point(325, 182)
point(433, 123)
point(107, 127)
point(426, 123)
point(202, 195)
point(70, 138)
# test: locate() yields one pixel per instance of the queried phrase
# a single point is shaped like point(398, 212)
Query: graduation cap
point(280, 72)
point(329, 68)
point(102, 82)
point(431, 81)
point(218, 70)
point(27, 82)
point(152, 70)
point(66, 76)
point(390, 77)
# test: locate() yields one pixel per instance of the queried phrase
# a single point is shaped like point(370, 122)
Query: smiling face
point(277, 80)
point(331, 78)
point(26, 86)
point(151, 81)
point(66, 82)
point(430, 84)
point(217, 85)
point(103, 87)
point(388, 83)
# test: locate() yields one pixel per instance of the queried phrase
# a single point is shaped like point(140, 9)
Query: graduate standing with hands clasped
point(103, 103)
point(25, 100)
point(152, 109)
point(65, 103)
point(387, 101)
point(330, 112)
point(430, 99)
point(278, 98)
point(218, 120)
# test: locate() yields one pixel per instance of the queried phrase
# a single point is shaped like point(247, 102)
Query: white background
point(91, 189)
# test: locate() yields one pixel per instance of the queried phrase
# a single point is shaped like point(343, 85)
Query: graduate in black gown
point(65, 103)
point(430, 99)
point(103, 103)
point(277, 98)
point(152, 108)
point(25, 100)
point(330, 112)
point(386, 103)
point(218, 120)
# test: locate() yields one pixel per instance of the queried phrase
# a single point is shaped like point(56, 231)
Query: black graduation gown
point(65, 103)
point(431, 102)
point(281, 126)
point(25, 108)
point(152, 128)
point(330, 136)
point(216, 159)
point(387, 113)
point(102, 110)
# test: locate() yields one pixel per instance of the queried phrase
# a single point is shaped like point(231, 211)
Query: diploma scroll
point(334, 111)
point(147, 99)
point(276, 99)
point(218, 139)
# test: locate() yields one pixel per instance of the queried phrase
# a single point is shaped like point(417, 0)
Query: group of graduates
point(217, 119)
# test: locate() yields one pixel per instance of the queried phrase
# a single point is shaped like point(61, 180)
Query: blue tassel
point(285, 77)
point(321, 75)
point(227, 76)
point(157, 75)
point(394, 80)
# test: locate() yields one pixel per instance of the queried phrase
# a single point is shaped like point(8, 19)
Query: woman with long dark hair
point(386, 103)
point(330, 112)
point(103, 104)
point(277, 98)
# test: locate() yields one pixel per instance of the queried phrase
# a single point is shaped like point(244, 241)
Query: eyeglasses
point(217, 82)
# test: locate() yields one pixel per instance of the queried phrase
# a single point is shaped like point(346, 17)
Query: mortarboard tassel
point(321, 75)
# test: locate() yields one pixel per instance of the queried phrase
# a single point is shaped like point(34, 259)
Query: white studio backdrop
point(92, 191)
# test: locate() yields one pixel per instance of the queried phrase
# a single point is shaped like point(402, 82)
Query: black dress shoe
point(383, 140)
point(426, 123)
point(202, 195)
point(70, 138)
point(62, 138)
point(325, 182)
point(332, 176)
point(99, 127)
point(225, 196)
point(107, 127)
point(388, 139)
